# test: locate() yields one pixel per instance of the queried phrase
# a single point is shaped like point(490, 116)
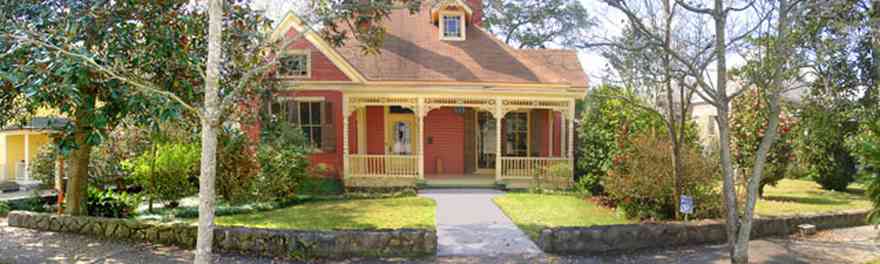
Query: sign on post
point(687, 205)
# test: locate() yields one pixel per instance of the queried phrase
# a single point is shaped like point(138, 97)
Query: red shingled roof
point(413, 51)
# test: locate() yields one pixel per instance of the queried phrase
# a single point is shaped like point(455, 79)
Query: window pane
point(294, 65)
point(316, 136)
point(452, 26)
point(304, 113)
point(316, 114)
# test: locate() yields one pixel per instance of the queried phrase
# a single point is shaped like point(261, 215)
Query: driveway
point(469, 224)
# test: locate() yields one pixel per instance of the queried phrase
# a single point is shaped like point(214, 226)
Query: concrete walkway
point(469, 224)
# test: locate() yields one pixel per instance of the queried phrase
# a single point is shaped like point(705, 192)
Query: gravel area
point(850, 245)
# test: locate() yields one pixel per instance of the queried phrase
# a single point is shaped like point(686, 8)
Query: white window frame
point(308, 54)
point(461, 24)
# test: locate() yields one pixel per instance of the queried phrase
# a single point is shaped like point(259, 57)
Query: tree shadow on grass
point(807, 200)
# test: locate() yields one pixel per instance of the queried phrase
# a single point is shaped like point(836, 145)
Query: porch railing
point(384, 165)
point(535, 167)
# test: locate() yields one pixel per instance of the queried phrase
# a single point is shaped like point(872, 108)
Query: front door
point(402, 137)
point(486, 143)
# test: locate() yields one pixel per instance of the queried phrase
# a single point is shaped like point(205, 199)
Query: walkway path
point(469, 224)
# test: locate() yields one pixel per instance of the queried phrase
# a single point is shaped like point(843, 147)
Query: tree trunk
point(78, 180)
point(673, 131)
point(209, 135)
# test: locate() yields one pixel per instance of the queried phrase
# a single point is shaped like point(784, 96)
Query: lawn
point(534, 212)
point(798, 197)
point(392, 213)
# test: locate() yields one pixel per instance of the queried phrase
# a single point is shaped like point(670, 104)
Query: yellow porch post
point(345, 155)
point(27, 156)
point(422, 112)
point(499, 114)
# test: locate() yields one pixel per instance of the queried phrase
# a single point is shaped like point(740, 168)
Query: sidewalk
point(470, 224)
point(850, 245)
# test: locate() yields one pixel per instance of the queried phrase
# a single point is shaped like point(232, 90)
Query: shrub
point(642, 185)
point(110, 204)
point(283, 163)
point(236, 166)
point(167, 173)
point(42, 167)
point(605, 120)
point(320, 187)
point(822, 146)
point(866, 146)
point(749, 119)
point(558, 178)
point(4, 209)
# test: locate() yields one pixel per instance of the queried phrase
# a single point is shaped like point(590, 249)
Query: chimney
point(477, 6)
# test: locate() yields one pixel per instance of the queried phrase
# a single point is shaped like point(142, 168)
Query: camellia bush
point(608, 116)
point(750, 117)
point(641, 181)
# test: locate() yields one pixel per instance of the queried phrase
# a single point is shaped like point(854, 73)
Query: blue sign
point(687, 204)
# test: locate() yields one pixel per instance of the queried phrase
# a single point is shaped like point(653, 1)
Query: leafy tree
point(608, 117)
point(747, 126)
point(538, 23)
point(837, 36)
point(866, 147)
point(701, 44)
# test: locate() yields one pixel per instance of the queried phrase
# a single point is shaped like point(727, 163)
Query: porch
point(456, 141)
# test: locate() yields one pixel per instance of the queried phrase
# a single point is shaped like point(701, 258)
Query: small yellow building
point(20, 144)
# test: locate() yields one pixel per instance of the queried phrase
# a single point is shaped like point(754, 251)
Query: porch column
point(421, 111)
point(345, 155)
point(27, 156)
point(499, 114)
point(552, 123)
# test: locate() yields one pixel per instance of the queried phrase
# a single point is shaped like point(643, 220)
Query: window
point(452, 26)
point(295, 64)
point(516, 130)
point(311, 115)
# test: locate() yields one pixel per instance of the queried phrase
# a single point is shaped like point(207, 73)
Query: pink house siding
point(446, 129)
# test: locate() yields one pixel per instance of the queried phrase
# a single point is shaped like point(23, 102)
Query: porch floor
point(460, 181)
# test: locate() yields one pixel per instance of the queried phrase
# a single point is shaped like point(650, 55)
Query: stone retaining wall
point(252, 241)
point(603, 239)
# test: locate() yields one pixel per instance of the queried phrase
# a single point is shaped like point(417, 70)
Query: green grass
point(393, 213)
point(534, 212)
point(799, 197)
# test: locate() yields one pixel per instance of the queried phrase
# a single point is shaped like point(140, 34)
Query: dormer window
point(295, 64)
point(452, 26)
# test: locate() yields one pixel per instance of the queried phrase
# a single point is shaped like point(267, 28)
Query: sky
point(609, 23)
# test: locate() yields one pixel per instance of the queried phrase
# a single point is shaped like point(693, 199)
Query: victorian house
point(443, 100)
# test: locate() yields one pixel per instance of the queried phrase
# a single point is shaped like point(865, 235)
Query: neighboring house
point(20, 144)
point(704, 113)
point(442, 100)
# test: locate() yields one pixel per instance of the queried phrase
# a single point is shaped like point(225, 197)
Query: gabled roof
point(413, 51)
